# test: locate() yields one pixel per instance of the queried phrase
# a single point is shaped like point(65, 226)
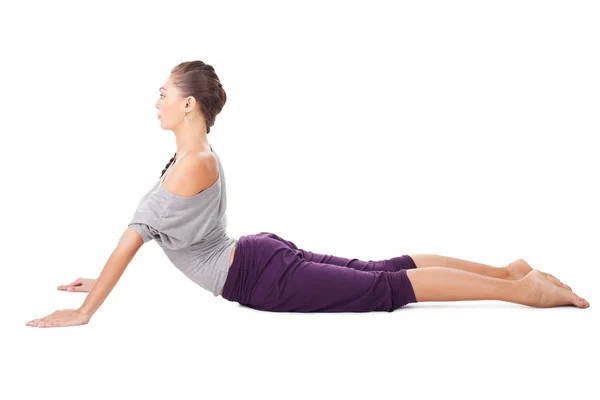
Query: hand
point(78, 285)
point(69, 317)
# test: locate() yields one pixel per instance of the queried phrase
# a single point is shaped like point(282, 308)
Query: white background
point(360, 129)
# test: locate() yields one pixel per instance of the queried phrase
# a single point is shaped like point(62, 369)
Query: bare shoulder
point(193, 173)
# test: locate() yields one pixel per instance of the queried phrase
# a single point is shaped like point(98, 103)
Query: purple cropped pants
point(270, 273)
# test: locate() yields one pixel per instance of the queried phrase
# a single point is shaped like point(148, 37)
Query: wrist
point(85, 313)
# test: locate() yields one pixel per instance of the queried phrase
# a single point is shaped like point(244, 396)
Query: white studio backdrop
point(361, 129)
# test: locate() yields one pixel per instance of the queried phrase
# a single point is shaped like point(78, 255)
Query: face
point(171, 105)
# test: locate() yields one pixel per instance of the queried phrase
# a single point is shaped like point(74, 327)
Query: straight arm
point(128, 245)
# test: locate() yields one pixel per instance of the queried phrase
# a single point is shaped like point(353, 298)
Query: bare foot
point(541, 291)
point(520, 268)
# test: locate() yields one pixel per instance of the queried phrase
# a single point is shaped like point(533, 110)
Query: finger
point(76, 282)
point(42, 321)
point(69, 288)
point(49, 317)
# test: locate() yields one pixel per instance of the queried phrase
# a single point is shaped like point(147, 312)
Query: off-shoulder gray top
point(191, 230)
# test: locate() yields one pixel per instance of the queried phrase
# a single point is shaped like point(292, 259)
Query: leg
point(433, 260)
point(277, 278)
point(389, 264)
point(519, 270)
point(515, 270)
point(297, 285)
point(269, 274)
point(449, 284)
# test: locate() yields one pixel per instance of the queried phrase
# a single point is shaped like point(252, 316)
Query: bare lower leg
point(515, 270)
point(438, 283)
point(433, 260)
point(449, 284)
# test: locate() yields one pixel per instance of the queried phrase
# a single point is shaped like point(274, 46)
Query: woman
point(184, 212)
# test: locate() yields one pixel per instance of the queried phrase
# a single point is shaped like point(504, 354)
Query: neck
point(190, 136)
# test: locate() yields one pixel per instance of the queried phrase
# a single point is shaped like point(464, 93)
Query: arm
point(128, 245)
point(177, 182)
point(147, 224)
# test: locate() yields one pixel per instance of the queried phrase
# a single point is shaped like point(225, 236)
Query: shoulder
point(193, 173)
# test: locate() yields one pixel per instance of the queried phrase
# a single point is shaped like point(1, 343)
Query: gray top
point(191, 230)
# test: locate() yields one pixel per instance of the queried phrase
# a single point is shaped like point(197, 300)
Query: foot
point(520, 268)
point(540, 291)
point(517, 269)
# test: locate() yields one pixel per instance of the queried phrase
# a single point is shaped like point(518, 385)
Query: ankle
point(525, 291)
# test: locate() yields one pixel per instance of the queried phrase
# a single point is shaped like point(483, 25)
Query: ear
point(190, 102)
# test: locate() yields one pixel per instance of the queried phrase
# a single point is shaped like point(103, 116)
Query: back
point(192, 231)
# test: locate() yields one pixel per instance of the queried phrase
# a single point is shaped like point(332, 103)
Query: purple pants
point(269, 273)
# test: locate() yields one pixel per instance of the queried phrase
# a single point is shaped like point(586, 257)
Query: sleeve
point(146, 231)
point(148, 217)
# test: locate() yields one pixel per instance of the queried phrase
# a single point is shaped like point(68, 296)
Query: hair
point(198, 79)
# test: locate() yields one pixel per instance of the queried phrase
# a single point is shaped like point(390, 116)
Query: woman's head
point(192, 88)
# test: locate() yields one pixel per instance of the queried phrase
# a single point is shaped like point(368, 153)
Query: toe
point(554, 280)
point(577, 301)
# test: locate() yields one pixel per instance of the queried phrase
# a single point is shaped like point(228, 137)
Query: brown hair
point(198, 79)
